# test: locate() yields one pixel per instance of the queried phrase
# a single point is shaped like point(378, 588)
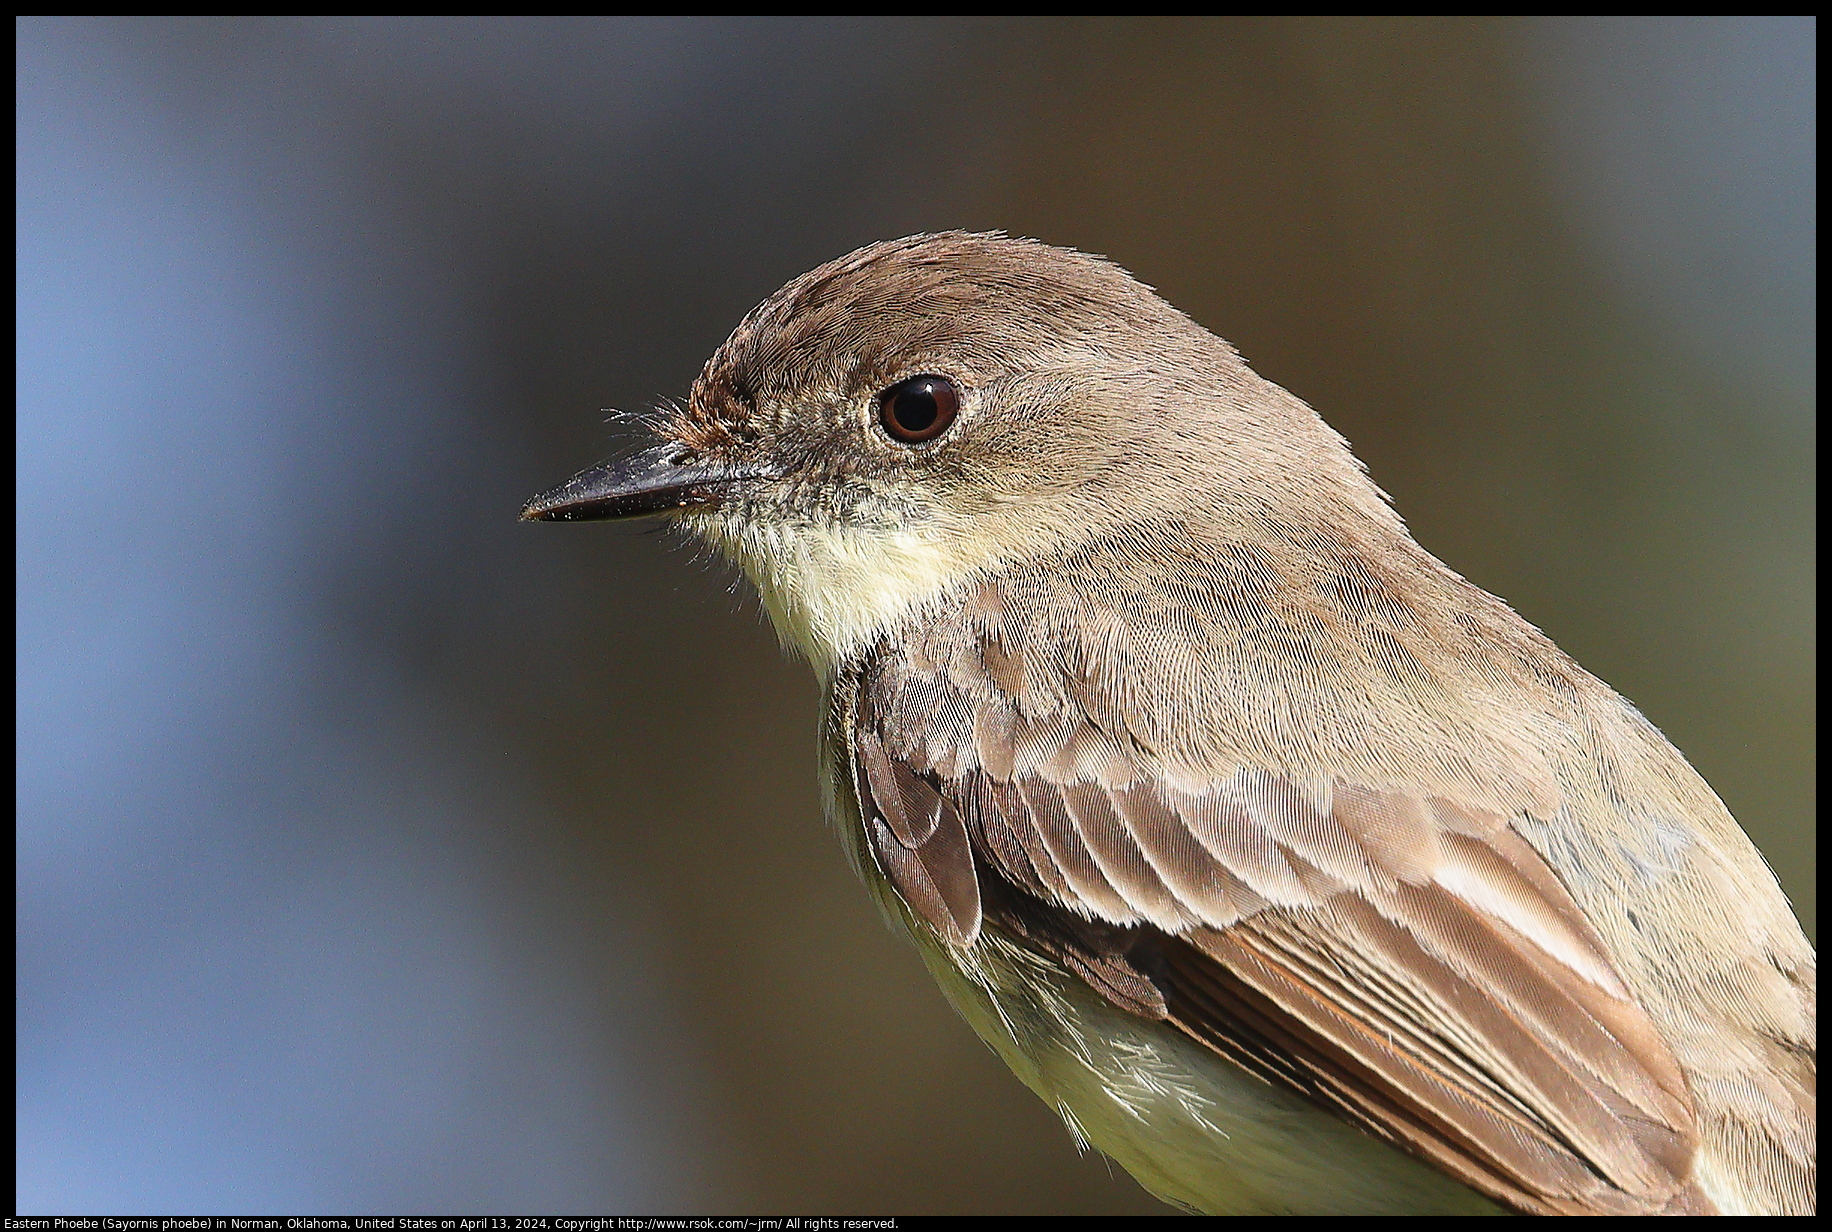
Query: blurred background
point(377, 852)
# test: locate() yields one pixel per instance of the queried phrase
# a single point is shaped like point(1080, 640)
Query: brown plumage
point(1316, 933)
point(1138, 686)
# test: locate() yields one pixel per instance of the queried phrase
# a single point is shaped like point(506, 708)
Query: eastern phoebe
point(1297, 873)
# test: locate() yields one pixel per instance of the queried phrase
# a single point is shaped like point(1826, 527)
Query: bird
point(1296, 872)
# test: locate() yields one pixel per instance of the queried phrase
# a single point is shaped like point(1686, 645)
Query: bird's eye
point(919, 409)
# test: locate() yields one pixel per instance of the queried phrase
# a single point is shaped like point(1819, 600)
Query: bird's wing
point(1403, 958)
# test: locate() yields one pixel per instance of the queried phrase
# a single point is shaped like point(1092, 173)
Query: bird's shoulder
point(1080, 756)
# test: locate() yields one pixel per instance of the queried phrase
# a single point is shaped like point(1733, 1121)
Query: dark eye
point(919, 409)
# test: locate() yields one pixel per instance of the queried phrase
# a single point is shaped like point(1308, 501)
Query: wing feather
point(1090, 811)
point(1404, 959)
point(1204, 886)
point(919, 841)
point(1091, 893)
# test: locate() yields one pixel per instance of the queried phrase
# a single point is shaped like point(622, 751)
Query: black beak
point(667, 476)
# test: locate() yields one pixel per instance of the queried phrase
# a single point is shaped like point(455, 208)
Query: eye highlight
point(919, 409)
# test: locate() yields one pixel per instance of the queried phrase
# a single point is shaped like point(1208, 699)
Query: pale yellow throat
point(832, 592)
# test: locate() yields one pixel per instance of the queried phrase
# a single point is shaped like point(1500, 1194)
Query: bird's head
point(894, 424)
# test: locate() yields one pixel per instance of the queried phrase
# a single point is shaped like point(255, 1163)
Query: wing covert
point(1403, 958)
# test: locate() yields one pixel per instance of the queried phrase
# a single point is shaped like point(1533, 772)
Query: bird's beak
point(656, 480)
